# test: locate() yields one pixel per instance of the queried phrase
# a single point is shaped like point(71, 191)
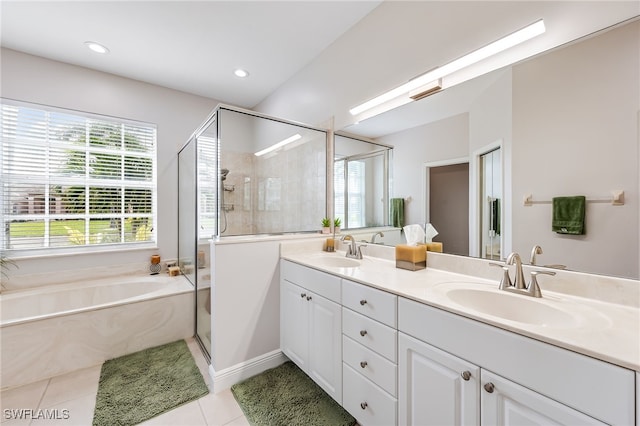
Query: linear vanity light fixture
point(431, 78)
point(279, 145)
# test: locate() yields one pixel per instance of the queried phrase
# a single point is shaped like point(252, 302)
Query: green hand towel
point(568, 215)
point(397, 212)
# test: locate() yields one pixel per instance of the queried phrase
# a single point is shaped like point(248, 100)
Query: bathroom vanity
point(440, 347)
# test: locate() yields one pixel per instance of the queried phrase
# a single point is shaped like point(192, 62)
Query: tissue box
point(412, 258)
point(434, 247)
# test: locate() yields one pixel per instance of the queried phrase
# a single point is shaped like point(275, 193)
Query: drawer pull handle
point(363, 302)
point(363, 332)
point(363, 364)
point(363, 405)
point(303, 295)
point(308, 297)
point(489, 387)
point(466, 376)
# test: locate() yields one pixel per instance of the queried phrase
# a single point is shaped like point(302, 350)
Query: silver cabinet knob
point(465, 375)
point(308, 297)
point(303, 295)
point(489, 387)
point(363, 302)
point(363, 405)
point(363, 332)
point(363, 364)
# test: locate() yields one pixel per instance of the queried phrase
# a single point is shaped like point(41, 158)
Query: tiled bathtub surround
point(66, 327)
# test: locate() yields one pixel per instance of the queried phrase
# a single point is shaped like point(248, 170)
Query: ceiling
point(287, 46)
point(191, 46)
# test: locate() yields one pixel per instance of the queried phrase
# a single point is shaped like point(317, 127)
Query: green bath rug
point(286, 396)
point(136, 387)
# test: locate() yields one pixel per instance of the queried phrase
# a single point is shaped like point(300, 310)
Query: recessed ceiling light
point(96, 47)
point(241, 73)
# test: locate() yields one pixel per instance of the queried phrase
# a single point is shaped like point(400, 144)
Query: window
point(71, 179)
point(352, 189)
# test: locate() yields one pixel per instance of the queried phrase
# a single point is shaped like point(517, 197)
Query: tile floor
point(76, 392)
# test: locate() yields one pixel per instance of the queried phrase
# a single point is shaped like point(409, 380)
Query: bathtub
point(57, 329)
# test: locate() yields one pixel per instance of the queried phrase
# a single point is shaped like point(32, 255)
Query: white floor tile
point(75, 412)
point(71, 386)
point(23, 397)
point(220, 409)
point(75, 393)
point(185, 415)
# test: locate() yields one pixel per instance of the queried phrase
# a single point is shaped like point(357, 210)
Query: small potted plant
point(326, 225)
point(336, 224)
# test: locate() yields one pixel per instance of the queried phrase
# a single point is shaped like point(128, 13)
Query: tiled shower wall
point(272, 194)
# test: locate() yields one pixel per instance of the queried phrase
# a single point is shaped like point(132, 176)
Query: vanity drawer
point(369, 301)
point(365, 401)
point(376, 368)
point(320, 283)
point(372, 334)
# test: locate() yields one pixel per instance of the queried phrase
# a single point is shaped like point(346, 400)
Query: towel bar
point(616, 199)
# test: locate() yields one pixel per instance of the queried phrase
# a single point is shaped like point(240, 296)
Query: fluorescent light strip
point(279, 145)
point(430, 77)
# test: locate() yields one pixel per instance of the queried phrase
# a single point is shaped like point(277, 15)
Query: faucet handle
point(360, 249)
point(533, 288)
point(505, 282)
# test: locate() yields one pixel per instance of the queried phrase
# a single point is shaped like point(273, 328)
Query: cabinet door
point(507, 403)
point(325, 345)
point(435, 387)
point(294, 323)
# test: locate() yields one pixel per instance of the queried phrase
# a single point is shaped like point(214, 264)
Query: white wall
point(176, 114)
point(575, 132)
point(441, 140)
point(399, 40)
point(490, 118)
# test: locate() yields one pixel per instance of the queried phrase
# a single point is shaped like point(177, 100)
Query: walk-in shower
point(242, 173)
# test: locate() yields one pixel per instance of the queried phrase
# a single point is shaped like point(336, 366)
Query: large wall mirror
point(361, 182)
point(562, 123)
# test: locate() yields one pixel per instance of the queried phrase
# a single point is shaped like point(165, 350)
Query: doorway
point(491, 204)
point(449, 206)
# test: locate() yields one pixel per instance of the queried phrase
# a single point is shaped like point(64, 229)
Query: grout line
point(46, 388)
point(230, 421)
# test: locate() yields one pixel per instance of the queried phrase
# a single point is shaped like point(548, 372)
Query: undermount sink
point(338, 262)
point(509, 306)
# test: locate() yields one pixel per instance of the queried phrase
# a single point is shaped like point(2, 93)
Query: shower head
point(223, 174)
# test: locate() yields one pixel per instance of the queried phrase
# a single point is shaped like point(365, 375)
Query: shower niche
point(243, 173)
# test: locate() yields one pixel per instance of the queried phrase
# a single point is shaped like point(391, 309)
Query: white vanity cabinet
point(521, 381)
point(504, 402)
point(435, 387)
point(369, 327)
point(311, 324)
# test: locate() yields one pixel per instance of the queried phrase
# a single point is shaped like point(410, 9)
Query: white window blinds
point(71, 179)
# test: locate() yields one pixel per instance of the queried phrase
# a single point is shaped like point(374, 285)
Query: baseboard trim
point(227, 377)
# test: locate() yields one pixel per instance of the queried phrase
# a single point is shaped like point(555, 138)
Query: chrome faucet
point(535, 250)
point(518, 286)
point(353, 251)
point(373, 237)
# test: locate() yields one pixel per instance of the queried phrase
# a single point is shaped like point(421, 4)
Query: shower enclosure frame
point(212, 118)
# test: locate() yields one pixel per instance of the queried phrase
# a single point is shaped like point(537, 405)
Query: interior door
point(449, 206)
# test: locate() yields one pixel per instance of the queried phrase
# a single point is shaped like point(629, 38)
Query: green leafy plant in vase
point(336, 224)
point(326, 225)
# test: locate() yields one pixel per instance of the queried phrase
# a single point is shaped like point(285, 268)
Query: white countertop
point(603, 330)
